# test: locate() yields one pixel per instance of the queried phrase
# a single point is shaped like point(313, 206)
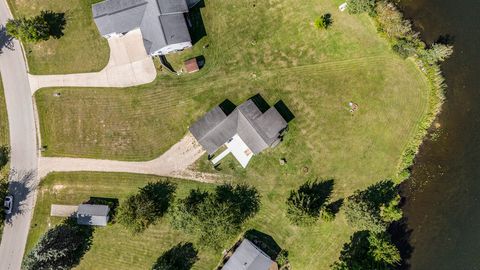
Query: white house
point(162, 22)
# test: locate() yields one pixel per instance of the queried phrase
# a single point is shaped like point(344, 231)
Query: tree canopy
point(140, 210)
point(181, 257)
point(305, 205)
point(364, 208)
point(366, 251)
point(60, 248)
point(215, 217)
point(41, 27)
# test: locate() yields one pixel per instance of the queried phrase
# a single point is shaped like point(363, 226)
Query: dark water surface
point(443, 195)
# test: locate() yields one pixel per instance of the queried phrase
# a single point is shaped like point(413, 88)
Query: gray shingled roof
point(161, 22)
point(247, 256)
point(92, 214)
point(258, 131)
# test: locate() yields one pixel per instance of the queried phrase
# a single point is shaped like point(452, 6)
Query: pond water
point(443, 195)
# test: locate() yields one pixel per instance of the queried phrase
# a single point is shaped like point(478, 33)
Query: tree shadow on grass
point(265, 242)
point(181, 257)
point(317, 192)
point(245, 199)
point(161, 193)
point(56, 22)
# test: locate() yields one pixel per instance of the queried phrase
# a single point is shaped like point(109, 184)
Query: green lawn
point(4, 135)
point(81, 49)
point(113, 246)
point(266, 47)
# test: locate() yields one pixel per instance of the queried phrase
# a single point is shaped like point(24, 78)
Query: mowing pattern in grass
point(81, 49)
point(4, 135)
point(113, 246)
point(264, 47)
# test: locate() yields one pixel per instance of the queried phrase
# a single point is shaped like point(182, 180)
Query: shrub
point(324, 21)
point(305, 204)
point(360, 6)
point(390, 21)
point(282, 258)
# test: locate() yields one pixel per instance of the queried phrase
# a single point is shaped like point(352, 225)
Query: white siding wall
point(173, 48)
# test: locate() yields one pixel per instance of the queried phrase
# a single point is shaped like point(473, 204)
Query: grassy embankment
point(81, 49)
point(4, 142)
point(268, 48)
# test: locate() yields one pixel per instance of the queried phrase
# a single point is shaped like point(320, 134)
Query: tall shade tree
point(367, 251)
point(215, 217)
point(141, 210)
point(304, 206)
point(37, 28)
point(60, 248)
point(364, 208)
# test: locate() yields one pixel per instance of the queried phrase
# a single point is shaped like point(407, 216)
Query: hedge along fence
point(407, 43)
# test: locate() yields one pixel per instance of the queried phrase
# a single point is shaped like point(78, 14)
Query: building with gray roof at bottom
point(162, 22)
point(93, 214)
point(247, 256)
point(245, 131)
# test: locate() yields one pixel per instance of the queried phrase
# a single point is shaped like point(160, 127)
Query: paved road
point(23, 151)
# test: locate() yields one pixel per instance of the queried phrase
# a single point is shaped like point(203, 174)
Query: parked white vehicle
point(8, 204)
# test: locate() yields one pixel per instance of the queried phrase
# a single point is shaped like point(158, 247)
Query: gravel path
point(173, 163)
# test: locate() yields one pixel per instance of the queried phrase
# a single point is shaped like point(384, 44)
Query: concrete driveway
point(129, 65)
point(175, 162)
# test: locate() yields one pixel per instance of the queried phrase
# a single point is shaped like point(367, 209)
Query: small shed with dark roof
point(247, 256)
point(93, 214)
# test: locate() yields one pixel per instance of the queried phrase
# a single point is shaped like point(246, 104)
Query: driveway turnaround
point(129, 65)
point(173, 163)
point(23, 149)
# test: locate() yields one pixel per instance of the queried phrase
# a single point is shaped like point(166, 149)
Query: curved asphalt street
point(23, 178)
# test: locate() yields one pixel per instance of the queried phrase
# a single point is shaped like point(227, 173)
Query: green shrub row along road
point(4, 142)
point(266, 47)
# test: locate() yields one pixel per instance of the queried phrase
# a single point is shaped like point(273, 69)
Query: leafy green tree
point(324, 21)
point(215, 217)
point(304, 205)
point(138, 211)
point(391, 211)
point(181, 257)
point(37, 28)
point(61, 247)
point(437, 53)
point(363, 208)
point(367, 251)
point(360, 6)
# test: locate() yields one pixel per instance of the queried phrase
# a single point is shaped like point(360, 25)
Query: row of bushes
point(406, 42)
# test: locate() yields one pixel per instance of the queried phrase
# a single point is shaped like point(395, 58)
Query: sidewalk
point(129, 65)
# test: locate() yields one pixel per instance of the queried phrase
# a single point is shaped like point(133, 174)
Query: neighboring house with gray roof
point(247, 256)
point(162, 22)
point(93, 214)
point(245, 131)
